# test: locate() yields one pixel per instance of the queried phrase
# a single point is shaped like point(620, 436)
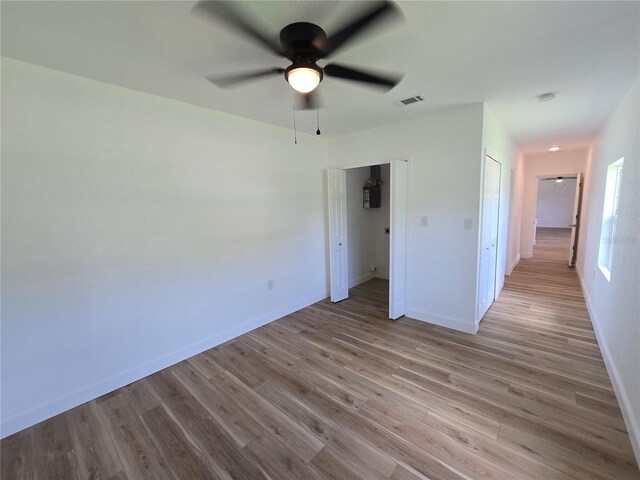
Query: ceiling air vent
point(409, 100)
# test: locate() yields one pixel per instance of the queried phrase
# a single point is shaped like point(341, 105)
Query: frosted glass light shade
point(303, 79)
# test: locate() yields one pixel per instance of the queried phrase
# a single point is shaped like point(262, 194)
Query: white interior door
point(398, 240)
point(575, 226)
point(489, 235)
point(338, 257)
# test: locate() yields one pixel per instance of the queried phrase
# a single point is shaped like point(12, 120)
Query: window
point(610, 217)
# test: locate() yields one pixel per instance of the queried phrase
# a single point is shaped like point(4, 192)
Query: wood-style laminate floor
point(338, 391)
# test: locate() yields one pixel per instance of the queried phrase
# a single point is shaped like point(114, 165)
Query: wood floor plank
point(338, 391)
point(54, 457)
point(371, 461)
point(301, 442)
point(17, 456)
point(330, 465)
point(223, 408)
point(278, 461)
point(139, 456)
point(184, 461)
point(226, 459)
point(94, 450)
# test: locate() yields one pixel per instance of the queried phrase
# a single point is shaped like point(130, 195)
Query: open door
point(398, 240)
point(575, 226)
point(489, 235)
point(338, 260)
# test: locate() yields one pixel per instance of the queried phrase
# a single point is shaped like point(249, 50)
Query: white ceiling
point(453, 53)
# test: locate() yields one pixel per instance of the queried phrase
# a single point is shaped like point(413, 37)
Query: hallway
point(339, 391)
point(552, 243)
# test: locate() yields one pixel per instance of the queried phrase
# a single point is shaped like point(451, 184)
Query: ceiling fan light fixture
point(304, 79)
point(559, 180)
point(555, 148)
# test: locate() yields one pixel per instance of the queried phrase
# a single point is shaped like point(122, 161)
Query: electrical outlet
point(423, 221)
point(468, 224)
point(269, 284)
point(373, 269)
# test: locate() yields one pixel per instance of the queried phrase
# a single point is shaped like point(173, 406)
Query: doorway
point(366, 239)
point(557, 220)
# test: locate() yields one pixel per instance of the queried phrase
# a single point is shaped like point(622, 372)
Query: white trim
point(443, 321)
point(361, 279)
point(630, 420)
point(54, 406)
point(514, 264)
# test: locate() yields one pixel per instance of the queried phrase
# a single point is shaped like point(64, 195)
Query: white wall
point(138, 231)
point(515, 213)
point(360, 229)
point(555, 202)
point(615, 306)
point(444, 154)
point(547, 164)
point(499, 146)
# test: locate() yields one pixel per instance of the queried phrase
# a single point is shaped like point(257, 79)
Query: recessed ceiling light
point(554, 148)
point(547, 97)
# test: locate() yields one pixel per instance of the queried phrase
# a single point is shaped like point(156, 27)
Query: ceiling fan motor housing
point(302, 44)
point(303, 38)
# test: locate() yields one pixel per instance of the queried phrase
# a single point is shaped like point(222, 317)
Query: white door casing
point(398, 240)
point(489, 235)
point(338, 247)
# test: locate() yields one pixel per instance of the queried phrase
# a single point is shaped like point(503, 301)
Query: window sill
point(606, 272)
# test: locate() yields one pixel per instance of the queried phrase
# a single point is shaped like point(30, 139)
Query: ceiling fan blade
point(379, 11)
point(348, 73)
point(225, 81)
point(225, 12)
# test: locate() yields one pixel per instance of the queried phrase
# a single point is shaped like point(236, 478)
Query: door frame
point(535, 200)
point(393, 213)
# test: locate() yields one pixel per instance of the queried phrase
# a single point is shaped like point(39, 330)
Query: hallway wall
point(555, 202)
point(497, 143)
point(615, 305)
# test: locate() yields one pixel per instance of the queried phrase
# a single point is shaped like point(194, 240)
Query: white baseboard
point(47, 409)
point(443, 321)
point(513, 265)
point(526, 255)
point(630, 420)
point(361, 279)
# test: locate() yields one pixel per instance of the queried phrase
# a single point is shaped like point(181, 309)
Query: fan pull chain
point(295, 132)
point(317, 112)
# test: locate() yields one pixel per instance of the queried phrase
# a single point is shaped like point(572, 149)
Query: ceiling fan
point(303, 44)
point(559, 179)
